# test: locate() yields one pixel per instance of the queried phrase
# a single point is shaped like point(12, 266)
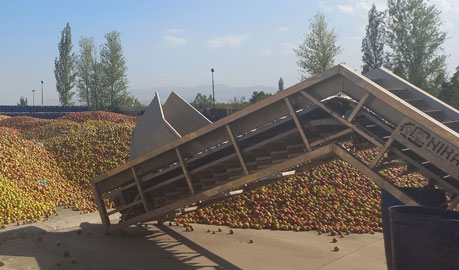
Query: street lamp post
point(213, 88)
point(33, 97)
point(41, 93)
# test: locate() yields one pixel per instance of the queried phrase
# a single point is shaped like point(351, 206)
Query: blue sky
point(175, 43)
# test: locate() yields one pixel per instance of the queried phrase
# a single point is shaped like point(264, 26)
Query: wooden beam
point(341, 119)
point(381, 153)
point(236, 148)
point(139, 188)
point(101, 205)
point(185, 170)
point(374, 176)
point(358, 107)
point(297, 123)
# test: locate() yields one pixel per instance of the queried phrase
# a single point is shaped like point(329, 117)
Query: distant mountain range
point(223, 93)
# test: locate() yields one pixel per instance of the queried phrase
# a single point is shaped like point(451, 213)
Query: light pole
point(41, 93)
point(213, 88)
point(33, 97)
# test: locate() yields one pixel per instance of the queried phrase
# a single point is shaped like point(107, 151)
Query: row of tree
point(406, 38)
point(100, 78)
point(203, 102)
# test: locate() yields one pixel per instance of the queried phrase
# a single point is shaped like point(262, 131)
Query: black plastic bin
point(424, 238)
point(428, 197)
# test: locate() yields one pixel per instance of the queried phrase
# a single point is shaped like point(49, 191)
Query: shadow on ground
point(151, 247)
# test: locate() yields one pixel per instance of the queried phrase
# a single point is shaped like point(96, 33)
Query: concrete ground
point(42, 246)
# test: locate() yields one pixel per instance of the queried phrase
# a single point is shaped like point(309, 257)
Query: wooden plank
point(139, 188)
point(185, 170)
point(358, 107)
point(374, 176)
point(381, 153)
point(341, 119)
point(317, 153)
point(236, 148)
point(101, 205)
point(298, 125)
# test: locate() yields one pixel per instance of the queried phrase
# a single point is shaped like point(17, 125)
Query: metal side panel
point(182, 116)
point(151, 131)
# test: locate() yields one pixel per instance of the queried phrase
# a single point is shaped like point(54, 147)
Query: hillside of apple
point(48, 163)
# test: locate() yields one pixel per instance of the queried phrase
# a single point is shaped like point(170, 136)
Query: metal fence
point(46, 112)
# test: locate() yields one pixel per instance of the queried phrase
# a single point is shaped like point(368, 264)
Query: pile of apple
point(31, 182)
point(87, 149)
point(99, 115)
point(48, 163)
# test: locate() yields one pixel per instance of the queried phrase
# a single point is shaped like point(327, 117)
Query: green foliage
point(318, 50)
point(132, 104)
point(202, 102)
point(373, 43)
point(64, 68)
point(257, 96)
point(416, 42)
point(85, 68)
point(97, 92)
point(114, 70)
point(280, 84)
point(237, 103)
point(450, 90)
point(23, 101)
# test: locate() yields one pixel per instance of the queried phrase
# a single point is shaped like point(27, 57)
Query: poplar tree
point(64, 68)
point(280, 84)
point(318, 51)
point(85, 68)
point(114, 69)
point(374, 40)
point(416, 42)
